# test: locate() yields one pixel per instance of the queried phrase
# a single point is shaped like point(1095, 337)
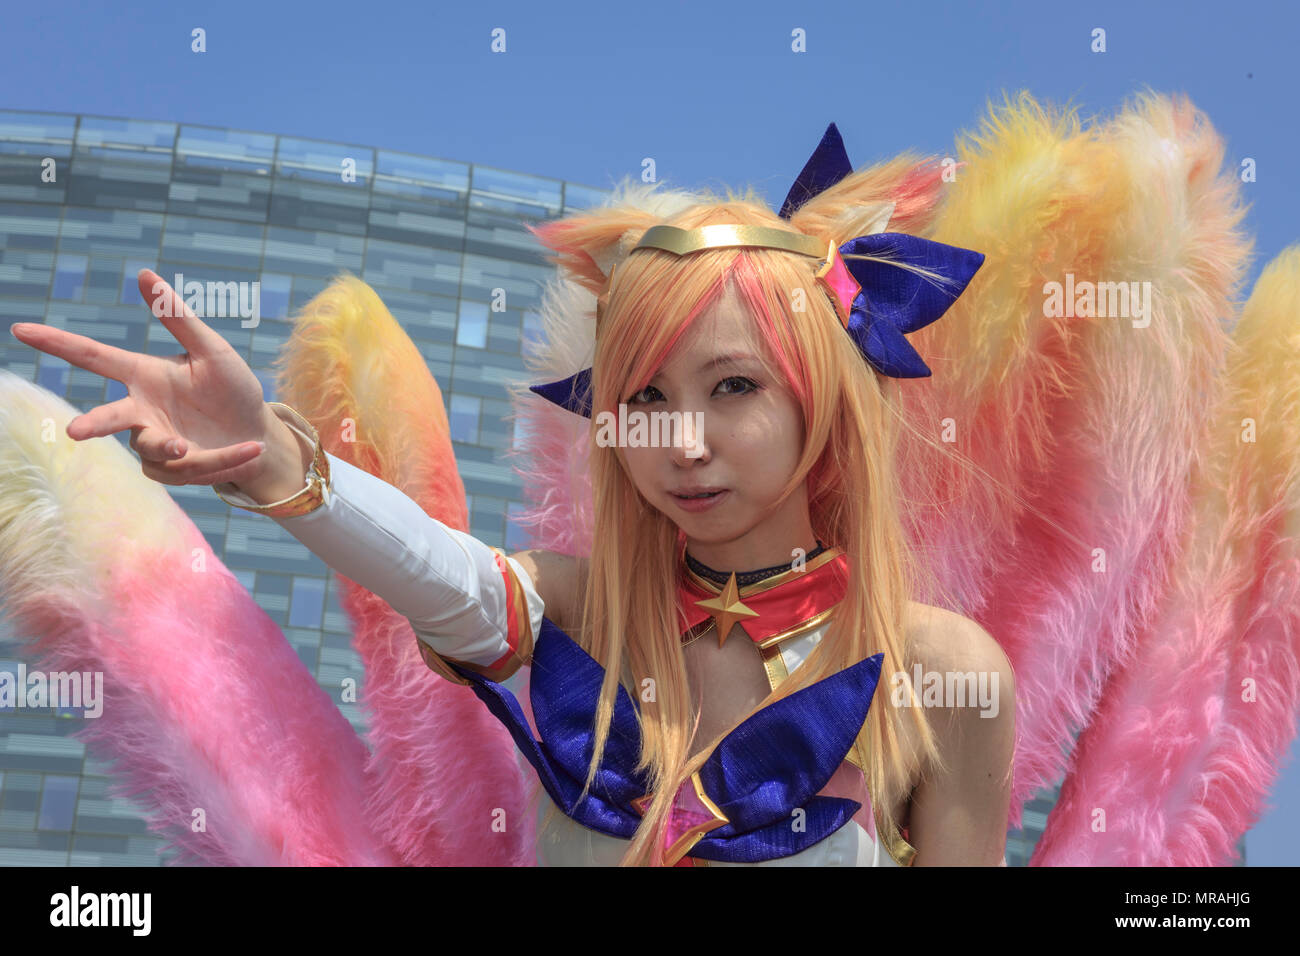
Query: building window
point(463, 419)
point(471, 324)
point(52, 374)
point(308, 602)
point(516, 534)
point(533, 334)
point(131, 285)
point(58, 803)
point(274, 291)
point(69, 277)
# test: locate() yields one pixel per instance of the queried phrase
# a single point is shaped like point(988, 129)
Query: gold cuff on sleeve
point(518, 620)
point(313, 494)
point(438, 665)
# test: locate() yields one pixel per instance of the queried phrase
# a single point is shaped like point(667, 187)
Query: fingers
point(78, 350)
point(179, 319)
point(204, 467)
point(105, 420)
point(156, 444)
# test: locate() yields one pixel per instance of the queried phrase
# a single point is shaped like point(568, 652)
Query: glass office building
point(86, 202)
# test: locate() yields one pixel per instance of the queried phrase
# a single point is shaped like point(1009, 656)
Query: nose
point(689, 443)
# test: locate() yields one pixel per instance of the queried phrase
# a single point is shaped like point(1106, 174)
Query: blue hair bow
point(890, 301)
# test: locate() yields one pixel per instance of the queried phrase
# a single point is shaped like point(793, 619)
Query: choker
point(744, 578)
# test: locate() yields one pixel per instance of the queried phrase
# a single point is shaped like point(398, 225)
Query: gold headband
point(682, 242)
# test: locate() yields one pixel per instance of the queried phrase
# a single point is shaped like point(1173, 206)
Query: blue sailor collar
point(739, 806)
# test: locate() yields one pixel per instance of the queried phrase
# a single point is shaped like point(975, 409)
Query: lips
point(698, 491)
point(708, 500)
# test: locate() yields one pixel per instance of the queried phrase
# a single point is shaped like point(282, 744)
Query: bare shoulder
point(966, 678)
point(943, 640)
point(559, 580)
point(958, 814)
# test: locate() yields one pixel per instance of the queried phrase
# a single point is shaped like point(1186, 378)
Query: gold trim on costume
point(803, 627)
point(902, 852)
point(437, 664)
point(523, 620)
point(843, 309)
point(693, 634)
point(518, 607)
point(773, 664)
point(688, 839)
point(769, 650)
point(696, 833)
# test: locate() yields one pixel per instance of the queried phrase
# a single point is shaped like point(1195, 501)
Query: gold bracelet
point(313, 495)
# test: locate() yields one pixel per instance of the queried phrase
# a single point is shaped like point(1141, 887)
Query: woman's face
point(748, 443)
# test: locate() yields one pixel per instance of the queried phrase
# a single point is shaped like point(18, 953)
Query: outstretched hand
point(196, 418)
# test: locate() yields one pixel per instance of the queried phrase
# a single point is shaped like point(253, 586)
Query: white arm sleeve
point(445, 582)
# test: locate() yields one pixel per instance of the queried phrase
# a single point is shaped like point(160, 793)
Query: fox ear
point(860, 203)
point(865, 220)
point(589, 245)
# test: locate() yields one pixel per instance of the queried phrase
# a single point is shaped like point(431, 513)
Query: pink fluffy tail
point(1088, 417)
point(207, 714)
point(1193, 725)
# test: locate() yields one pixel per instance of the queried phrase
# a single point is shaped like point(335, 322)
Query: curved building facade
point(87, 201)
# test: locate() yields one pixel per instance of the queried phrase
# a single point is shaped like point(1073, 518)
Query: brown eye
point(640, 396)
point(747, 385)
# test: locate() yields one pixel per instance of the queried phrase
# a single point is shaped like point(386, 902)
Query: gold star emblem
point(706, 815)
point(726, 608)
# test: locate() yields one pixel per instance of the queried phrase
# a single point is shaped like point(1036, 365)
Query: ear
point(864, 220)
point(589, 244)
point(860, 203)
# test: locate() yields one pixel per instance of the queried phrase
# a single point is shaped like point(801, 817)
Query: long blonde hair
point(630, 620)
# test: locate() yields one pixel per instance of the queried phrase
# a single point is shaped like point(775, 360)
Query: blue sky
point(711, 91)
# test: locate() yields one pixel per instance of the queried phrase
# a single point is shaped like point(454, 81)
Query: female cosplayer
point(794, 451)
point(735, 621)
point(790, 472)
point(796, 459)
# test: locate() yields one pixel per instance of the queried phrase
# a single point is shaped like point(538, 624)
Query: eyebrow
point(725, 359)
point(714, 362)
point(717, 360)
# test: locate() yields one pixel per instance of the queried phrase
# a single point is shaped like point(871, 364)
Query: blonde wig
point(851, 423)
